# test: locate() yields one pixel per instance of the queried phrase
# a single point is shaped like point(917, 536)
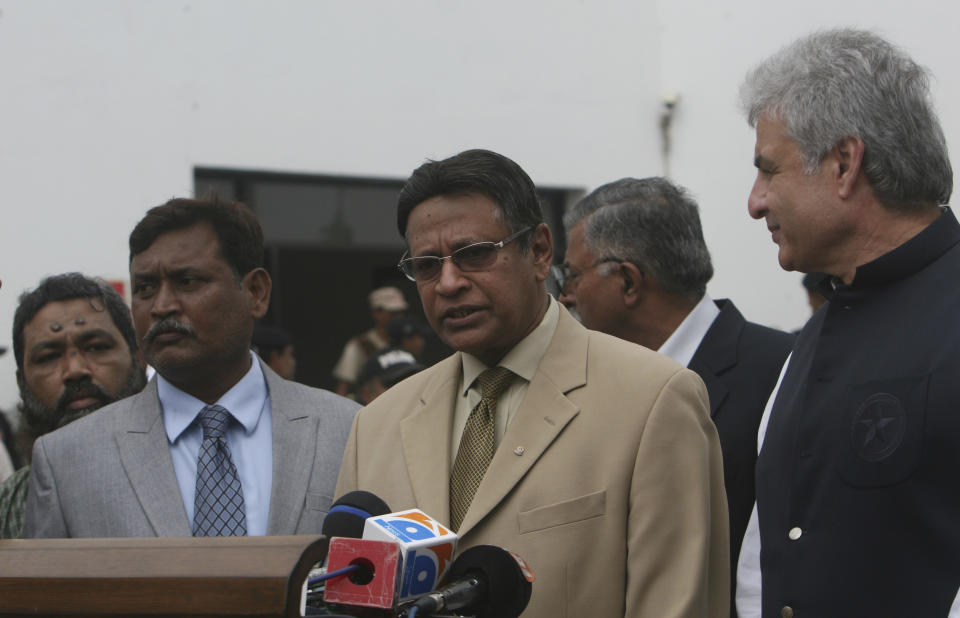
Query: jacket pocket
point(566, 512)
point(882, 431)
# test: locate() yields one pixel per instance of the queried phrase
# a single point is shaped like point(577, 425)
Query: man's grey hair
point(840, 83)
point(651, 223)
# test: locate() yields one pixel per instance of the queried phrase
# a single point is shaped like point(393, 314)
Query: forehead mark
point(80, 321)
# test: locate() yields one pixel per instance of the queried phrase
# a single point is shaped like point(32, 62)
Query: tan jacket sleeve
point(678, 542)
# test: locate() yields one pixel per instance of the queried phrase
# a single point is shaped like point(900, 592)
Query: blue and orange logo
point(424, 563)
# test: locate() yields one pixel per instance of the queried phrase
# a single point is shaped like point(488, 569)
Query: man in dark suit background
point(216, 423)
point(637, 267)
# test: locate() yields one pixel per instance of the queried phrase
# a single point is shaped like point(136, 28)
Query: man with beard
point(76, 351)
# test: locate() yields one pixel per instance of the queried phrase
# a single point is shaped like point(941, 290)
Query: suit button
point(794, 534)
point(786, 612)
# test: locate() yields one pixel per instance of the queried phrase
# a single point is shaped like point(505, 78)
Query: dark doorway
point(321, 295)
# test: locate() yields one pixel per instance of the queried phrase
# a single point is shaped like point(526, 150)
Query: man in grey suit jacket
point(601, 469)
point(133, 468)
point(637, 268)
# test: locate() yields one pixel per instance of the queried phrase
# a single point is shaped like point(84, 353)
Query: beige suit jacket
point(608, 480)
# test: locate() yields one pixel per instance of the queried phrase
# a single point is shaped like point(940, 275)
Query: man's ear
point(848, 162)
point(632, 283)
point(257, 284)
point(20, 381)
point(541, 246)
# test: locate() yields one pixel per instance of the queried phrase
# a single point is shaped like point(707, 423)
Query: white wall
point(107, 105)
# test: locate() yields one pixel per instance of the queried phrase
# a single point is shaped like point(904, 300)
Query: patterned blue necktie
point(218, 502)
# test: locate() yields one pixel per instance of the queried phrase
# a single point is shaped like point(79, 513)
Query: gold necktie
point(476, 444)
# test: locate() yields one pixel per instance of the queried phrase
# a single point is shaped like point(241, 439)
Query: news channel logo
point(426, 548)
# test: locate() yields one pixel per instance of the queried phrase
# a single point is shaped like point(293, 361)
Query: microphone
point(401, 556)
point(345, 519)
point(349, 513)
point(485, 581)
point(343, 526)
point(426, 548)
point(374, 584)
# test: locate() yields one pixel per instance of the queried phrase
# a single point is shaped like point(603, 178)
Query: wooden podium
point(161, 577)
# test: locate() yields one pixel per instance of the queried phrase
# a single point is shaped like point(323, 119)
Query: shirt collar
point(682, 343)
point(910, 257)
point(244, 400)
point(524, 358)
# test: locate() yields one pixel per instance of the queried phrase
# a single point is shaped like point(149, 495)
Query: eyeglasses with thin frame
point(563, 275)
point(472, 258)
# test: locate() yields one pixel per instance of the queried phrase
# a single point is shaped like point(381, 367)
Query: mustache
point(167, 325)
point(79, 390)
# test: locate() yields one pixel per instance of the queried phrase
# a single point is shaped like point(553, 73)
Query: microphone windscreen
point(508, 578)
point(348, 514)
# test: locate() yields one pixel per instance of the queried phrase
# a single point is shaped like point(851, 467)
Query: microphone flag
point(375, 584)
point(426, 548)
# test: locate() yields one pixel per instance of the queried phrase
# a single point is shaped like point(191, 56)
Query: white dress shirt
point(682, 343)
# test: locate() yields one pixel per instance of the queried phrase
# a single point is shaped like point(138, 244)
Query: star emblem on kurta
point(875, 429)
point(878, 427)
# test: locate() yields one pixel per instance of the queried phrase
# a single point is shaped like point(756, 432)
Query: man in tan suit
point(597, 463)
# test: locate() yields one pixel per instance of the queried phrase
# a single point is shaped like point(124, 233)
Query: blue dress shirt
point(250, 440)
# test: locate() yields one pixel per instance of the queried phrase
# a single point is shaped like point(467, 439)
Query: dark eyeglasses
point(563, 275)
point(472, 258)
